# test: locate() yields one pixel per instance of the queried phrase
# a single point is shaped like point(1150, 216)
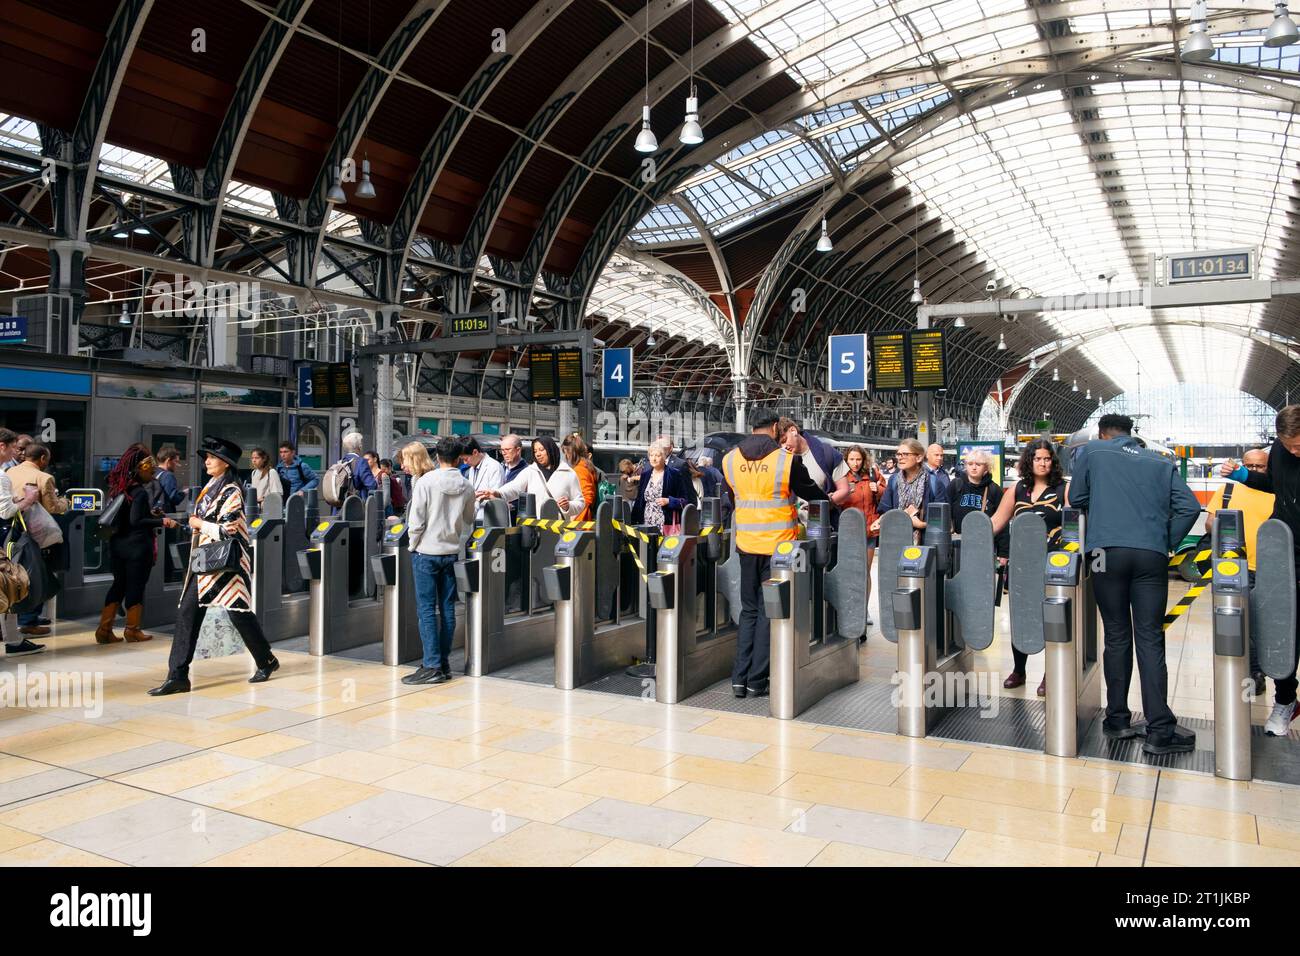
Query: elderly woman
point(663, 491)
point(974, 491)
point(907, 488)
point(218, 516)
point(549, 478)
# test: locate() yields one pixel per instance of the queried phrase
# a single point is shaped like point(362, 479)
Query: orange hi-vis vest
point(766, 511)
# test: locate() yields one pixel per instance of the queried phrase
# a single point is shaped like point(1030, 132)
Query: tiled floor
point(337, 763)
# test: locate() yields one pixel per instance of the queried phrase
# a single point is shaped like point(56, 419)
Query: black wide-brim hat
point(227, 451)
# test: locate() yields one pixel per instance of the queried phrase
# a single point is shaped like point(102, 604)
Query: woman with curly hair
point(1041, 489)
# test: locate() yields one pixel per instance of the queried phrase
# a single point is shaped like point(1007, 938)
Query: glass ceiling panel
point(664, 223)
point(19, 133)
point(630, 291)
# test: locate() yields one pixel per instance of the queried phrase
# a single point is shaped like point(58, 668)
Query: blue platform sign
point(617, 378)
point(849, 363)
point(304, 387)
point(13, 330)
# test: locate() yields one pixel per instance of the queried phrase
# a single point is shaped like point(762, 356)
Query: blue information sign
point(304, 387)
point(848, 363)
point(617, 376)
point(13, 330)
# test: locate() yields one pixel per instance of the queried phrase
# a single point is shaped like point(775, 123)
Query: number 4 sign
point(617, 378)
point(850, 362)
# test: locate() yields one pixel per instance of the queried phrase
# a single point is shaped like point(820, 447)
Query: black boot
point(264, 672)
point(172, 685)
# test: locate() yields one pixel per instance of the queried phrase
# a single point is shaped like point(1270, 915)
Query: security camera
point(991, 285)
point(1107, 275)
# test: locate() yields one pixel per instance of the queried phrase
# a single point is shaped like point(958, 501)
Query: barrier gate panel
point(896, 533)
point(609, 548)
point(729, 579)
point(969, 593)
point(544, 556)
point(845, 584)
point(295, 540)
point(1273, 600)
point(1026, 567)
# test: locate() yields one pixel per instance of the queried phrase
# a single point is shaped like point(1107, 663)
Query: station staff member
point(765, 482)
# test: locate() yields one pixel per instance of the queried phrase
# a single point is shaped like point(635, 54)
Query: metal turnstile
point(816, 604)
point(494, 638)
point(1241, 612)
point(396, 581)
point(282, 615)
point(342, 616)
point(939, 616)
point(692, 652)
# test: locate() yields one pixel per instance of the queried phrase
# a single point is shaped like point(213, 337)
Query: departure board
point(331, 385)
point(541, 374)
point(568, 374)
point(927, 357)
point(341, 376)
point(888, 361)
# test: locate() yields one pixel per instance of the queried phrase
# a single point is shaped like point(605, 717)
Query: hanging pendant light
point(140, 229)
point(1056, 375)
point(650, 341)
point(917, 298)
point(365, 188)
point(1075, 386)
point(120, 231)
point(959, 323)
point(1033, 364)
point(692, 134)
point(1198, 47)
point(1282, 31)
point(336, 193)
point(824, 241)
point(645, 140)
point(1088, 397)
point(1002, 342)
point(125, 317)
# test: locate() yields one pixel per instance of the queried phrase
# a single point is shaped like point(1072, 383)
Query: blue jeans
point(435, 600)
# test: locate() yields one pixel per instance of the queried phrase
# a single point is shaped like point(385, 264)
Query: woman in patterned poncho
point(218, 515)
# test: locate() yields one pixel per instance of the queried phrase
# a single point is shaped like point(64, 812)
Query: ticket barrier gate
point(816, 604)
point(494, 638)
point(692, 652)
point(396, 580)
point(930, 597)
point(1241, 612)
point(282, 615)
point(342, 616)
point(587, 647)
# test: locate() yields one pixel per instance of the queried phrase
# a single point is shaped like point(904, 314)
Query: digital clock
point(469, 324)
point(1203, 266)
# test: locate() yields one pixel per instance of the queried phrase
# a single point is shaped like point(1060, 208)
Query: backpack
point(14, 583)
point(336, 483)
point(27, 566)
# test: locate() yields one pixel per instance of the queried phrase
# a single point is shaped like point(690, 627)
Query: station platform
point(336, 762)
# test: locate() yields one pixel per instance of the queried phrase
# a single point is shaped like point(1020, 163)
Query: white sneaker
point(1280, 720)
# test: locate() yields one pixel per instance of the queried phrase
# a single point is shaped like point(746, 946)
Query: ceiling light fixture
point(1002, 342)
point(1282, 31)
point(1056, 375)
point(692, 134)
point(336, 193)
point(120, 231)
point(1088, 397)
point(1033, 364)
point(917, 298)
point(365, 188)
point(1198, 47)
point(125, 317)
point(650, 341)
point(140, 228)
point(1075, 386)
point(645, 140)
point(824, 243)
point(959, 323)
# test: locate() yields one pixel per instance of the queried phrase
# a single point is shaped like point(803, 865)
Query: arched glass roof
point(633, 292)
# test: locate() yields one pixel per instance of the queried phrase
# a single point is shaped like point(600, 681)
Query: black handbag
point(108, 517)
point(215, 558)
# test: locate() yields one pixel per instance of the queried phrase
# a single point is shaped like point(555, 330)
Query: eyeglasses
point(905, 454)
point(1263, 467)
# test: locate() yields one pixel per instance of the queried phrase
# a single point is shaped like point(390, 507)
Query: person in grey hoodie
point(1139, 508)
point(441, 509)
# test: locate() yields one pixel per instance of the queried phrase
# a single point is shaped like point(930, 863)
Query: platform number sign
point(617, 376)
point(850, 363)
point(304, 387)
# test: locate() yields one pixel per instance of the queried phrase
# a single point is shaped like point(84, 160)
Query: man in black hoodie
point(765, 482)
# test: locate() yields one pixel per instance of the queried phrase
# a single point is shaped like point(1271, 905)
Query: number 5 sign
point(850, 362)
point(617, 376)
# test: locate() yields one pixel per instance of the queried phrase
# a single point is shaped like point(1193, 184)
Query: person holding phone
point(549, 478)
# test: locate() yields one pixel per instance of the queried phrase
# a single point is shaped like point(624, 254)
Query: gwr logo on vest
point(75, 909)
point(757, 466)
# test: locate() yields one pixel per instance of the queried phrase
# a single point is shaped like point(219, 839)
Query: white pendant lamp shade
point(125, 317)
point(365, 188)
point(1075, 386)
point(1198, 47)
point(692, 134)
point(120, 231)
point(1002, 342)
point(1056, 375)
point(1282, 31)
point(1033, 364)
point(645, 140)
point(336, 193)
point(824, 240)
point(959, 323)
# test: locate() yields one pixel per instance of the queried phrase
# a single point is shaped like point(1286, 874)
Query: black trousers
point(131, 568)
point(1131, 595)
point(189, 621)
point(754, 643)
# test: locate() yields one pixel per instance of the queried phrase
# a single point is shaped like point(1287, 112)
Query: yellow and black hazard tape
point(1182, 605)
point(1197, 557)
point(631, 532)
point(556, 525)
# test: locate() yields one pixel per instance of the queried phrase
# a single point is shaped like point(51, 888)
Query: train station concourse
point(651, 433)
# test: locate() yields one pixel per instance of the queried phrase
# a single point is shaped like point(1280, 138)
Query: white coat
point(563, 483)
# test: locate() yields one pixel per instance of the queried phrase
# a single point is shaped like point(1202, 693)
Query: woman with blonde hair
point(415, 460)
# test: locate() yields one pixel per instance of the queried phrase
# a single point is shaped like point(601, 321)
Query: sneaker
point(26, 647)
point(738, 690)
point(438, 677)
point(419, 676)
point(1125, 732)
point(1180, 740)
point(756, 690)
point(35, 630)
point(1279, 722)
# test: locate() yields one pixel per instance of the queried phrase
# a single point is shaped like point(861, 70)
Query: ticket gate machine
point(281, 615)
point(816, 615)
point(493, 638)
point(1240, 613)
point(395, 578)
point(342, 615)
point(690, 653)
point(927, 602)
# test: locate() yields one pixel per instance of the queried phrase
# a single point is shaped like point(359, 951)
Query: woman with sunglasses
point(1042, 490)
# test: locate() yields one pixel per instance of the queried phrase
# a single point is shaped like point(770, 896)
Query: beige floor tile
point(753, 777)
point(1109, 807)
point(15, 768)
point(623, 785)
point(49, 853)
point(358, 765)
point(73, 806)
point(263, 745)
point(627, 853)
point(617, 756)
point(1185, 849)
point(518, 799)
point(860, 769)
point(71, 732)
point(597, 728)
point(1043, 826)
point(893, 801)
point(537, 844)
point(1132, 841)
point(750, 846)
point(738, 806)
point(1108, 859)
point(764, 730)
point(1205, 821)
point(847, 854)
point(186, 772)
point(990, 849)
point(98, 745)
point(1283, 834)
point(956, 783)
point(11, 839)
point(249, 786)
point(367, 858)
point(492, 735)
point(1054, 771)
point(297, 805)
point(441, 753)
point(439, 783)
point(531, 768)
point(289, 848)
